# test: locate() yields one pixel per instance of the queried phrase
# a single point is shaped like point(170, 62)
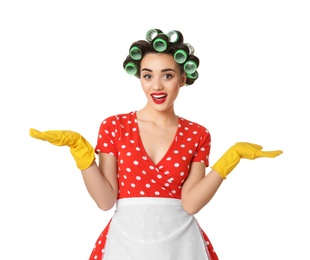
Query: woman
point(152, 162)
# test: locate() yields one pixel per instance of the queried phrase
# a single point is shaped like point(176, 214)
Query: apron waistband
point(148, 201)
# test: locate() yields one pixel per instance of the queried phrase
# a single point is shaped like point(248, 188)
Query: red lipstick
point(159, 97)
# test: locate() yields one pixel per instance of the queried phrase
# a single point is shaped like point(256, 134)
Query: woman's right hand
point(81, 150)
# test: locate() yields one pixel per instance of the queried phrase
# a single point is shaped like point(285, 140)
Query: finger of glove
point(36, 134)
point(245, 144)
point(55, 137)
point(270, 154)
point(248, 150)
point(61, 138)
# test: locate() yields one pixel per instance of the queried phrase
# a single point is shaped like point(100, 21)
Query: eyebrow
point(164, 70)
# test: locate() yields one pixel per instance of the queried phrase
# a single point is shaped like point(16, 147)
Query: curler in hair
point(194, 75)
point(191, 65)
point(160, 43)
point(136, 50)
point(152, 33)
point(180, 56)
point(131, 68)
point(175, 36)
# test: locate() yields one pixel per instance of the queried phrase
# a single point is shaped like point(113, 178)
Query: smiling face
point(161, 79)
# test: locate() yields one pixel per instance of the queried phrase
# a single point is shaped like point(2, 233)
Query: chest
point(156, 141)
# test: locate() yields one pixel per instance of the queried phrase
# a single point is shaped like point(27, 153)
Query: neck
point(158, 117)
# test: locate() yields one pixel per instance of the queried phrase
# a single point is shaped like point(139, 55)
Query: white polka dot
point(128, 169)
point(128, 154)
point(157, 193)
point(142, 193)
point(159, 176)
point(135, 162)
point(176, 165)
point(183, 158)
point(147, 185)
point(105, 144)
point(168, 158)
point(133, 185)
point(138, 178)
point(176, 151)
point(182, 174)
point(123, 146)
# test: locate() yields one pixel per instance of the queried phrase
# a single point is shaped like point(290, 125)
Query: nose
point(157, 85)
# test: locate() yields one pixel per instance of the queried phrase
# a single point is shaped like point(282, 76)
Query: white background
point(61, 68)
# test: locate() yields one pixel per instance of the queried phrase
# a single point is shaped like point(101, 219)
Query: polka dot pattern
point(138, 175)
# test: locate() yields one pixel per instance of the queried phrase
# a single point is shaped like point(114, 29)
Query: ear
point(183, 79)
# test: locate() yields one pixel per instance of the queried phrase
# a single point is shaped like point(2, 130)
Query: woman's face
point(161, 80)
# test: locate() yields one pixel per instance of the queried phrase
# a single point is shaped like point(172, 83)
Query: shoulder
point(119, 119)
point(194, 126)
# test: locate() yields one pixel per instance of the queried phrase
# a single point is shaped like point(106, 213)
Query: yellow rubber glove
point(232, 156)
point(82, 152)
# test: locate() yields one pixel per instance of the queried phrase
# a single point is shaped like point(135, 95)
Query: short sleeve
point(203, 148)
point(106, 141)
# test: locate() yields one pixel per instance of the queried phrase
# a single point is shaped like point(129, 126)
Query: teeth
point(159, 96)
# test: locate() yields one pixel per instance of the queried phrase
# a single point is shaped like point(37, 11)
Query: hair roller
point(182, 51)
point(130, 66)
point(137, 49)
point(160, 42)
point(151, 34)
point(191, 65)
point(194, 75)
point(175, 37)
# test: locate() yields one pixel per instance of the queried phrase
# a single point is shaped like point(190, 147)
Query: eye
point(168, 76)
point(147, 76)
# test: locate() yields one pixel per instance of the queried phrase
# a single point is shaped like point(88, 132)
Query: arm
point(101, 182)
point(199, 188)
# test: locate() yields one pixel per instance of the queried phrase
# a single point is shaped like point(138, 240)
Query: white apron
point(153, 229)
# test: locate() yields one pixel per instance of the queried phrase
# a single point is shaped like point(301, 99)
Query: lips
point(159, 98)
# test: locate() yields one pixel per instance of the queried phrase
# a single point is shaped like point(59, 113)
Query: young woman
point(152, 162)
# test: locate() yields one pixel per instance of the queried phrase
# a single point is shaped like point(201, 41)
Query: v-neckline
point(142, 145)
